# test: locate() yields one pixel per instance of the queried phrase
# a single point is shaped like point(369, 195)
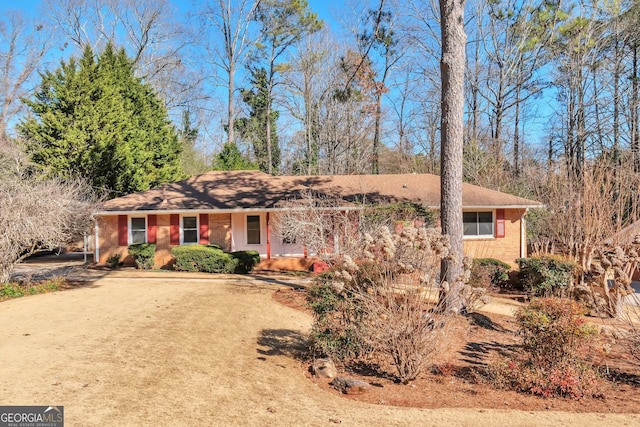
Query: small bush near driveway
point(203, 258)
point(143, 254)
point(246, 260)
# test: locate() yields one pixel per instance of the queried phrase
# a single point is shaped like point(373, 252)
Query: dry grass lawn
point(193, 352)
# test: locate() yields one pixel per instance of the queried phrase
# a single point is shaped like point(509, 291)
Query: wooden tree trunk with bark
point(452, 66)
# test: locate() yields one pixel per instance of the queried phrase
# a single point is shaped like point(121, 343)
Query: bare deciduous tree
point(22, 49)
point(147, 29)
point(37, 213)
point(232, 23)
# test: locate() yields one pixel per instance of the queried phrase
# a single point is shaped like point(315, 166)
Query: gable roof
point(254, 190)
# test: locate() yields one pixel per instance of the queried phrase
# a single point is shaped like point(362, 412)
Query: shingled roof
point(253, 190)
point(417, 188)
point(229, 190)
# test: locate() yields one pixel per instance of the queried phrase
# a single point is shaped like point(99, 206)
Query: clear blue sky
point(323, 8)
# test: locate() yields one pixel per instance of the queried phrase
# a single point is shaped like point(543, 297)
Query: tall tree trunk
point(516, 130)
point(616, 102)
point(268, 113)
point(635, 133)
point(499, 116)
point(581, 128)
point(475, 107)
point(376, 136)
point(231, 106)
point(452, 66)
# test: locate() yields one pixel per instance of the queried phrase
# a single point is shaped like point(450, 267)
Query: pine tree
point(231, 159)
point(192, 159)
point(253, 128)
point(93, 118)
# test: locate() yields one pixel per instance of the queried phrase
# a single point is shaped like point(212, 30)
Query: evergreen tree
point(253, 128)
point(283, 23)
point(93, 118)
point(192, 160)
point(231, 159)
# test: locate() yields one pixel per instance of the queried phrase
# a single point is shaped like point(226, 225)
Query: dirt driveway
point(194, 352)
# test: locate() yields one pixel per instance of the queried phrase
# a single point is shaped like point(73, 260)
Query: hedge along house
point(236, 211)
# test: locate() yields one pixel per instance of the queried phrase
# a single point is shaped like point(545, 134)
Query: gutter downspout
point(96, 244)
point(523, 234)
point(268, 238)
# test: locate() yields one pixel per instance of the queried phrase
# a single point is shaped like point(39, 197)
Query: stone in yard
point(349, 385)
point(324, 368)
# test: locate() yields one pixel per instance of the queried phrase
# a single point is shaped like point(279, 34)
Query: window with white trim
point(478, 224)
point(253, 229)
point(189, 229)
point(137, 230)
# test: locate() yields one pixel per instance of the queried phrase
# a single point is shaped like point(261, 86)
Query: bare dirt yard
point(167, 349)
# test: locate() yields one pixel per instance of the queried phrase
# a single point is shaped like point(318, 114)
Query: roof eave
point(214, 211)
point(240, 210)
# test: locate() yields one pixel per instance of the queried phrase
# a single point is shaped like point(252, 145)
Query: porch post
point(268, 238)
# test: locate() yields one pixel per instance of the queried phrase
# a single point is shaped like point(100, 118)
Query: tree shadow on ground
point(485, 322)
point(294, 284)
point(283, 342)
point(371, 369)
point(621, 377)
point(478, 353)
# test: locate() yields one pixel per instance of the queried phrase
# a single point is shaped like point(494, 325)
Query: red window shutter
point(204, 229)
point(500, 228)
point(174, 229)
point(152, 228)
point(123, 230)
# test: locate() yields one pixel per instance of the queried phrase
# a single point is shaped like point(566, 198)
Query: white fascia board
point(504, 207)
point(219, 211)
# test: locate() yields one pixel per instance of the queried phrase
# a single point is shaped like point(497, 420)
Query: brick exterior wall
point(220, 230)
point(108, 239)
point(163, 258)
point(219, 234)
point(505, 249)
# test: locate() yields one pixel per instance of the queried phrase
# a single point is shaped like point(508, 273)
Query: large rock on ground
point(324, 368)
point(350, 385)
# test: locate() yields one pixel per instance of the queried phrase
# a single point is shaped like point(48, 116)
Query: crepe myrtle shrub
point(203, 258)
point(381, 301)
point(547, 276)
point(319, 222)
point(247, 260)
point(555, 335)
point(142, 254)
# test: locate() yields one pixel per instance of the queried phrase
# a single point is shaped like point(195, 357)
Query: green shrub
point(335, 332)
point(554, 333)
point(115, 260)
point(203, 258)
point(246, 260)
point(143, 254)
point(546, 276)
point(552, 329)
point(489, 273)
